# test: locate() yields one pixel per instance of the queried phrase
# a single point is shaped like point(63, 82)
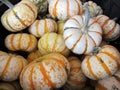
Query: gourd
point(95, 9)
point(82, 34)
point(109, 83)
point(102, 63)
point(45, 73)
point(42, 26)
point(60, 25)
point(19, 16)
point(52, 42)
point(76, 79)
point(21, 42)
point(64, 9)
point(111, 29)
point(11, 66)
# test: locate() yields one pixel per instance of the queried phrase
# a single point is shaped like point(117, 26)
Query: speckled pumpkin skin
point(45, 73)
point(103, 64)
point(11, 66)
point(20, 17)
point(64, 9)
point(21, 42)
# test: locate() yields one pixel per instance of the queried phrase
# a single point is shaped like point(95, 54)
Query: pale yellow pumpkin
point(64, 9)
point(60, 25)
point(20, 16)
point(102, 63)
point(21, 42)
point(45, 73)
point(11, 66)
point(42, 26)
point(52, 42)
point(111, 29)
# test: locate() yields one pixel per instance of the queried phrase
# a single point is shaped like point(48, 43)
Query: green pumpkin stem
point(96, 50)
point(87, 17)
point(7, 3)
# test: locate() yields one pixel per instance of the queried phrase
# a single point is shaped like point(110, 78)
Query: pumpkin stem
point(87, 17)
point(7, 3)
point(96, 50)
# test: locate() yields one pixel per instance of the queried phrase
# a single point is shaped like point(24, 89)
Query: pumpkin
point(21, 41)
point(64, 9)
point(76, 79)
point(40, 27)
point(45, 73)
point(60, 25)
point(33, 55)
point(52, 42)
point(109, 83)
point(82, 34)
point(14, 85)
point(102, 63)
point(11, 66)
point(111, 29)
point(95, 9)
point(20, 16)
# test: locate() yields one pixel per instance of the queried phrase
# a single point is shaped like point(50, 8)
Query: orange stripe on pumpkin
point(12, 43)
point(37, 27)
point(79, 8)
point(55, 43)
point(19, 41)
point(105, 67)
point(45, 26)
point(90, 69)
point(68, 9)
point(54, 12)
point(105, 22)
point(5, 71)
point(30, 42)
point(86, 45)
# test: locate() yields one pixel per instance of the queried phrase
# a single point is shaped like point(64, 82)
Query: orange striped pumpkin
point(76, 79)
point(40, 27)
point(111, 29)
point(81, 40)
point(64, 9)
point(20, 16)
point(102, 64)
point(110, 83)
point(45, 73)
point(14, 85)
point(21, 41)
point(52, 42)
point(33, 55)
point(95, 9)
point(11, 66)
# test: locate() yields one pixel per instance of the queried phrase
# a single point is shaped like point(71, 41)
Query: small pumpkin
point(20, 16)
point(60, 25)
point(102, 63)
point(52, 42)
point(82, 34)
point(11, 66)
point(21, 42)
point(45, 73)
point(109, 83)
point(95, 9)
point(64, 9)
point(42, 26)
point(14, 85)
point(76, 79)
point(111, 29)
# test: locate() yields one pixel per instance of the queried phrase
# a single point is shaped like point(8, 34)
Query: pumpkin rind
point(105, 63)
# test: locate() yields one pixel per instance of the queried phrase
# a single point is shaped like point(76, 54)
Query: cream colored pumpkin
point(95, 9)
point(78, 38)
point(14, 85)
point(45, 73)
point(60, 25)
point(102, 64)
point(11, 66)
point(64, 9)
point(52, 42)
point(110, 83)
point(21, 42)
point(42, 26)
point(76, 79)
point(20, 16)
point(111, 29)
point(33, 55)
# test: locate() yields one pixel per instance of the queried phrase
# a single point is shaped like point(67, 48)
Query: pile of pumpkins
point(67, 46)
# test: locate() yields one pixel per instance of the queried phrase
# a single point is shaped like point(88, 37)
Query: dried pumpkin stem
point(87, 17)
point(7, 3)
point(96, 50)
